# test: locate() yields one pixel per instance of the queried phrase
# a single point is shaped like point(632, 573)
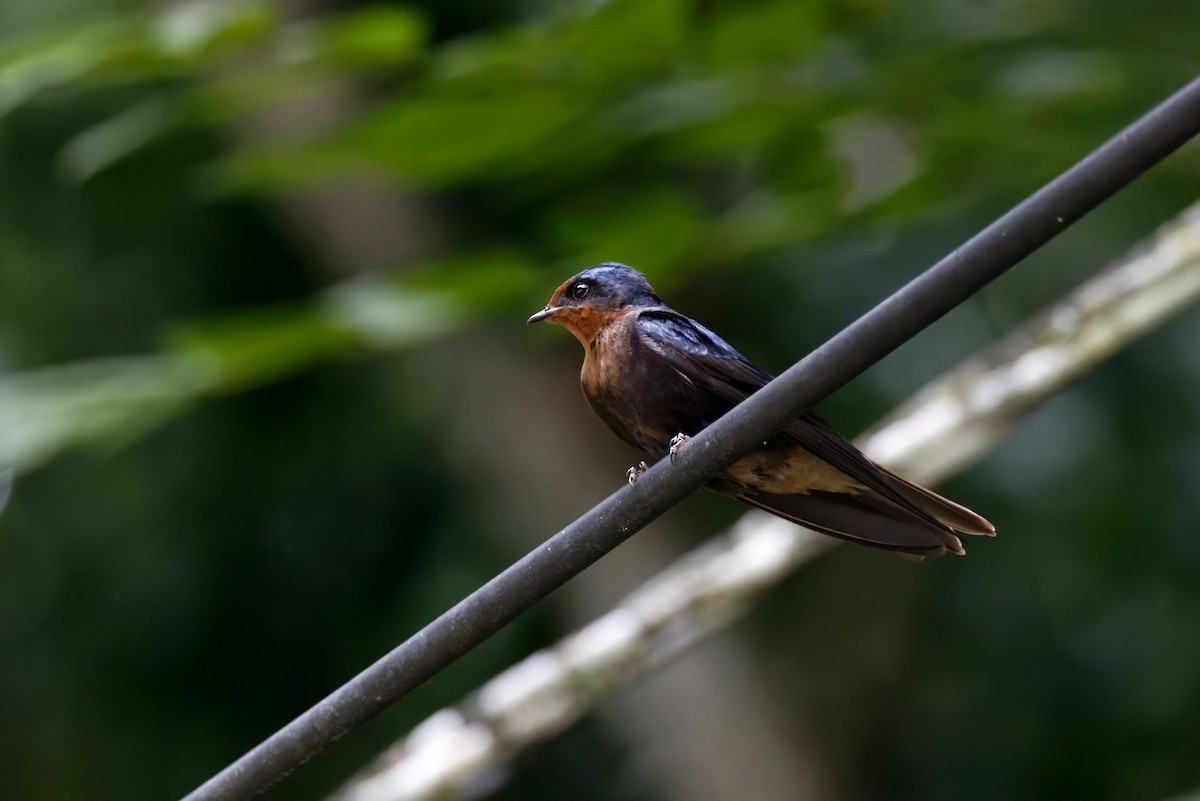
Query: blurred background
point(273, 405)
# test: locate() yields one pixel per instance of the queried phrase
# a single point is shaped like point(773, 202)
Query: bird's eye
point(579, 290)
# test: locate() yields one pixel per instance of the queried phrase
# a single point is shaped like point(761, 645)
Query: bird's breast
point(604, 365)
point(616, 382)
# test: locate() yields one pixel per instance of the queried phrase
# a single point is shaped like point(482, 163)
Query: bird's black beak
point(542, 315)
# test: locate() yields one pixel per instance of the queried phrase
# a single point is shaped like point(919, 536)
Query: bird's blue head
point(590, 300)
point(603, 290)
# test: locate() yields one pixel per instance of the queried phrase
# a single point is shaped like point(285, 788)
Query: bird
point(656, 377)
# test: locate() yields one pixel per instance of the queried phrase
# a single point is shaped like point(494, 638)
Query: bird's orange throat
point(584, 322)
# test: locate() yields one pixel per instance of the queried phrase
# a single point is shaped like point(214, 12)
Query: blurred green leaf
point(32, 67)
point(447, 139)
point(116, 400)
point(745, 33)
point(199, 31)
point(390, 315)
point(436, 141)
point(125, 49)
point(106, 143)
point(254, 348)
point(628, 40)
point(482, 282)
point(655, 227)
point(600, 47)
point(107, 400)
point(376, 36)
point(263, 345)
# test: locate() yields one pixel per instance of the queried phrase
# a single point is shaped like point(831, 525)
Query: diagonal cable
point(1021, 231)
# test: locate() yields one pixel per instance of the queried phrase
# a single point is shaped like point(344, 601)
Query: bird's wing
point(712, 364)
point(700, 356)
point(714, 367)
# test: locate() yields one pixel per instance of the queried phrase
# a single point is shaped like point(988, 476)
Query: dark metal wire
point(898, 318)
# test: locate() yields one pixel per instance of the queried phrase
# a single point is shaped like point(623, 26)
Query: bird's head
point(586, 302)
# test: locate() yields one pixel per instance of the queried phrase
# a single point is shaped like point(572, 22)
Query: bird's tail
point(871, 519)
point(943, 510)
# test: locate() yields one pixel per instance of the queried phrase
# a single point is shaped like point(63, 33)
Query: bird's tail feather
point(943, 510)
point(867, 519)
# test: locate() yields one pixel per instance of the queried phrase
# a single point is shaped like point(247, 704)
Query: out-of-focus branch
point(953, 420)
point(462, 752)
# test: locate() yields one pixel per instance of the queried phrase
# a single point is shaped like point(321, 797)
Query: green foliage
point(374, 38)
point(272, 266)
point(42, 412)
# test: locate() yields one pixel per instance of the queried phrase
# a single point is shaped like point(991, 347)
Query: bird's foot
point(675, 444)
point(635, 472)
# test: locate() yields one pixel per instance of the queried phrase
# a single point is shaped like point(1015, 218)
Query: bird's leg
point(632, 474)
point(675, 444)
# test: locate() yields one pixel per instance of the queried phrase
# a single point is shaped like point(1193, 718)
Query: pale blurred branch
point(952, 421)
point(462, 752)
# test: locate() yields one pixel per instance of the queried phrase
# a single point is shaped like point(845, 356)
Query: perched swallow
point(656, 376)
